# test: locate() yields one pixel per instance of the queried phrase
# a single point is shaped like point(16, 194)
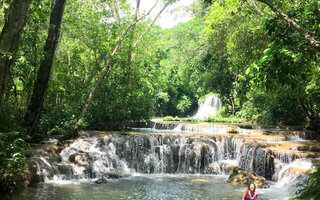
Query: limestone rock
point(101, 181)
point(242, 177)
point(31, 177)
point(79, 158)
point(114, 175)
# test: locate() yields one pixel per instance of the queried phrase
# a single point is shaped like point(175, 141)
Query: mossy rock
point(244, 178)
point(168, 118)
point(101, 181)
point(233, 131)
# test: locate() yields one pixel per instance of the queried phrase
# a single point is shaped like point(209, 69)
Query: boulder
point(101, 181)
point(244, 178)
point(113, 175)
point(79, 158)
point(31, 177)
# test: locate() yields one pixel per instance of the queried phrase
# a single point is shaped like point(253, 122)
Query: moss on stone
point(244, 178)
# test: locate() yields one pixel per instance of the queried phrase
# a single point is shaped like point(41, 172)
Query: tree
point(108, 65)
point(43, 77)
point(311, 40)
point(180, 76)
point(235, 39)
point(9, 39)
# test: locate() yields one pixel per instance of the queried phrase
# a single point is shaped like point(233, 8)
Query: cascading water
point(95, 156)
point(194, 150)
point(211, 105)
point(257, 161)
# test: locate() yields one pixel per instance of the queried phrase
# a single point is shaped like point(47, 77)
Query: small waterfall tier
point(196, 128)
point(209, 128)
point(211, 105)
point(103, 154)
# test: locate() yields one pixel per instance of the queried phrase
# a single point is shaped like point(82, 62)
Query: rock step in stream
point(98, 154)
point(291, 133)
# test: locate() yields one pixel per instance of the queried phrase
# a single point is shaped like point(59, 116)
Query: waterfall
point(197, 128)
point(210, 128)
point(292, 172)
point(257, 161)
point(209, 107)
point(95, 156)
point(102, 154)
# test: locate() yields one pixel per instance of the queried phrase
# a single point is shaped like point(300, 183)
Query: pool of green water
point(151, 187)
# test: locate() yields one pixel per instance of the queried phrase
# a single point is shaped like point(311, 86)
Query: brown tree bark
point(9, 39)
point(311, 40)
point(41, 84)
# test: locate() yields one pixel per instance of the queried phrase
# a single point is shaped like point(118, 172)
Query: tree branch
point(148, 28)
point(257, 8)
point(311, 40)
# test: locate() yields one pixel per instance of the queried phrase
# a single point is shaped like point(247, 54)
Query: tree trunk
point(233, 108)
point(41, 84)
point(312, 41)
point(124, 105)
point(132, 34)
point(9, 39)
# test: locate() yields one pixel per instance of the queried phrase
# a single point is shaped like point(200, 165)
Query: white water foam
point(288, 174)
point(209, 107)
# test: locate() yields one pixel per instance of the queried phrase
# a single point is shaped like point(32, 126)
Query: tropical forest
point(160, 99)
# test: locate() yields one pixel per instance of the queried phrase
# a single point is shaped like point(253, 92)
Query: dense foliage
point(311, 189)
point(13, 161)
point(259, 64)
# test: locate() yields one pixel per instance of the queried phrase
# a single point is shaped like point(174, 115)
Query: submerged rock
point(242, 177)
point(101, 181)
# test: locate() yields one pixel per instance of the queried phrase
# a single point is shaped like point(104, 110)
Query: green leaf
point(248, 71)
point(36, 15)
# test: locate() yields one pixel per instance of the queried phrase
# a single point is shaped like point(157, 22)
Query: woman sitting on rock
point(250, 193)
